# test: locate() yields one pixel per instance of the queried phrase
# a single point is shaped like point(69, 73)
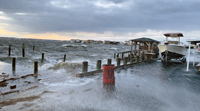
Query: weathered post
point(131, 59)
point(42, 57)
point(13, 63)
point(109, 61)
point(141, 57)
point(129, 56)
point(64, 58)
point(117, 55)
point(35, 67)
point(9, 50)
point(98, 64)
point(137, 59)
point(125, 60)
point(23, 50)
point(33, 47)
point(85, 66)
point(118, 61)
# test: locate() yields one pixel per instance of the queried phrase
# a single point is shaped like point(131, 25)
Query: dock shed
point(147, 45)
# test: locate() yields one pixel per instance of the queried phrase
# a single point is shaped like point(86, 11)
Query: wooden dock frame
point(90, 73)
point(136, 54)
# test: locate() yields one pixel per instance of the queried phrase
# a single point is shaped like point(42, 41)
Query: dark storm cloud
point(39, 16)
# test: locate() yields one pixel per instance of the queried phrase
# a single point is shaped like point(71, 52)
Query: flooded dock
point(148, 85)
point(152, 86)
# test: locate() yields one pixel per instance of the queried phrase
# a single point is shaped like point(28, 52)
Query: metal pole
point(194, 56)
point(188, 58)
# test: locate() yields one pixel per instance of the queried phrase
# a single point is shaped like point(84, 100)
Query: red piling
point(108, 74)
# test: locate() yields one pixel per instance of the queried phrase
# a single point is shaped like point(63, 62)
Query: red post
point(108, 74)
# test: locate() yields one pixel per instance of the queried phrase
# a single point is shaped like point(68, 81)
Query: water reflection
point(14, 73)
point(109, 87)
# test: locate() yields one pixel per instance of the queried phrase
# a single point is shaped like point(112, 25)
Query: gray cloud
point(40, 16)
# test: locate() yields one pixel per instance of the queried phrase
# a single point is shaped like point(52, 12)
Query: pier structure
point(143, 48)
point(197, 49)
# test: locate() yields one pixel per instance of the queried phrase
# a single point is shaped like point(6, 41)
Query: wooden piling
point(33, 47)
point(117, 55)
point(118, 61)
point(13, 63)
point(42, 56)
point(141, 58)
point(131, 59)
point(109, 61)
point(98, 64)
point(35, 67)
point(125, 60)
point(137, 59)
point(9, 50)
point(122, 55)
point(23, 50)
point(64, 58)
point(85, 66)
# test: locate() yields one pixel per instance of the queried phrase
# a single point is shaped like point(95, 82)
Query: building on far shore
point(75, 41)
point(90, 41)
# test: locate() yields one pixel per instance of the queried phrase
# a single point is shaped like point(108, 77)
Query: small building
point(90, 41)
point(75, 41)
point(145, 44)
point(106, 42)
point(127, 42)
point(99, 42)
point(84, 41)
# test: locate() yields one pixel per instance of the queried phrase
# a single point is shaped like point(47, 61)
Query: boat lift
point(197, 49)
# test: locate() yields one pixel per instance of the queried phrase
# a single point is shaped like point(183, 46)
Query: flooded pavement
point(151, 86)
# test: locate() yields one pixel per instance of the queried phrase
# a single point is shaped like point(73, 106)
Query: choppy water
point(54, 52)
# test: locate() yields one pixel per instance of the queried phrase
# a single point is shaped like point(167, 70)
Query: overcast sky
point(99, 19)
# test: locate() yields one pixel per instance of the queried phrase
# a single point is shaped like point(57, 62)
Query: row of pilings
point(127, 61)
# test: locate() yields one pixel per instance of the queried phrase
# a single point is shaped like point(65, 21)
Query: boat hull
point(169, 52)
point(179, 50)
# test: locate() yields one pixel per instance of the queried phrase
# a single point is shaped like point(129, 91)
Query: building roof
point(144, 39)
point(194, 41)
point(173, 34)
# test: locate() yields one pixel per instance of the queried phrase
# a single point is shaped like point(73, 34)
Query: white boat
point(173, 49)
